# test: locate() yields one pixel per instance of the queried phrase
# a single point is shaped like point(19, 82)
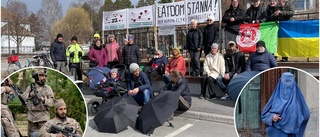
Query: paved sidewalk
point(214, 110)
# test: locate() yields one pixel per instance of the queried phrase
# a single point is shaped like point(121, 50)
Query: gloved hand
point(72, 54)
point(80, 54)
point(55, 64)
point(96, 62)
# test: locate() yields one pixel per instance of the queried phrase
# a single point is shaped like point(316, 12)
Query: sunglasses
point(209, 20)
point(156, 54)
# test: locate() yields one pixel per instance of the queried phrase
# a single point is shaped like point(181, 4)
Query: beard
point(63, 116)
point(42, 82)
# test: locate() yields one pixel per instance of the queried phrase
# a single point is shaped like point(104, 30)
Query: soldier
point(7, 120)
point(39, 107)
point(61, 121)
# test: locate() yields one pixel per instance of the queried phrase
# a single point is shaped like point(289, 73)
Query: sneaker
point(225, 96)
point(212, 97)
point(201, 97)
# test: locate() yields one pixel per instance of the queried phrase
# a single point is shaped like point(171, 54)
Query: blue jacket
point(260, 61)
point(159, 61)
point(143, 80)
point(182, 87)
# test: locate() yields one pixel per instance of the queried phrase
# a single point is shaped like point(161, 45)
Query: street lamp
point(8, 26)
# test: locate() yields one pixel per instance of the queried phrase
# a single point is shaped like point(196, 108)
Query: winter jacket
point(76, 48)
point(260, 61)
point(143, 81)
point(113, 51)
point(194, 39)
point(210, 35)
point(238, 15)
point(58, 51)
point(181, 87)
point(177, 64)
point(286, 12)
point(214, 65)
point(161, 63)
point(270, 13)
point(254, 13)
point(235, 62)
point(98, 54)
point(130, 54)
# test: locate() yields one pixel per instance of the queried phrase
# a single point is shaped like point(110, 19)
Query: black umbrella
point(116, 115)
point(157, 111)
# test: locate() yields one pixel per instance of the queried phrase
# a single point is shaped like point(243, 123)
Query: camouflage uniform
point(70, 122)
point(41, 114)
point(7, 120)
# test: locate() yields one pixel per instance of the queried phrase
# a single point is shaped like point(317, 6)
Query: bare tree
point(76, 22)
point(51, 11)
point(18, 23)
point(93, 4)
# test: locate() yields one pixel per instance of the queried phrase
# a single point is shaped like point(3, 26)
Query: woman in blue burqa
point(286, 114)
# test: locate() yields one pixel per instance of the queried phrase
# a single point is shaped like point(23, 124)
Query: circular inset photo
point(279, 102)
point(41, 102)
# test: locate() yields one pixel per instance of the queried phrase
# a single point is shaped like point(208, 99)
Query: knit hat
point(111, 35)
point(211, 18)
point(125, 39)
point(177, 49)
point(59, 35)
point(214, 45)
point(130, 37)
point(133, 67)
point(232, 43)
point(58, 103)
point(261, 43)
point(96, 35)
point(114, 70)
point(74, 38)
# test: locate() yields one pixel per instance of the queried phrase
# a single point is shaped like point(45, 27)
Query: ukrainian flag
point(298, 38)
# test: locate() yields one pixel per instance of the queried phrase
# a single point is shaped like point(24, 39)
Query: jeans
point(195, 61)
point(166, 79)
point(221, 82)
point(142, 98)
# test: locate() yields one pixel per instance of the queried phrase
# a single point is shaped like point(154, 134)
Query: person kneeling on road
point(138, 85)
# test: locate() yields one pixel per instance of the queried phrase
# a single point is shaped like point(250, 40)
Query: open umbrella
point(157, 111)
point(96, 74)
point(238, 82)
point(116, 115)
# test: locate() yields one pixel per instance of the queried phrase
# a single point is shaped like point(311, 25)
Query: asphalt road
point(183, 127)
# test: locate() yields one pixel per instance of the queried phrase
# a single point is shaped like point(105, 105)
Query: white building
point(27, 45)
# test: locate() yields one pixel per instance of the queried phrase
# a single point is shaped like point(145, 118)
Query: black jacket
point(210, 35)
point(238, 15)
point(270, 13)
point(130, 54)
point(286, 12)
point(182, 88)
point(58, 51)
point(194, 39)
point(254, 13)
point(235, 62)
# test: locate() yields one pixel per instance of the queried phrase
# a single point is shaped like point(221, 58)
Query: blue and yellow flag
point(298, 38)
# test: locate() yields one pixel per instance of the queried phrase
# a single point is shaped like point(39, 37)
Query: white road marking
point(179, 130)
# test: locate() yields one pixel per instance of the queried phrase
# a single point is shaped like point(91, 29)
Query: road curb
point(206, 116)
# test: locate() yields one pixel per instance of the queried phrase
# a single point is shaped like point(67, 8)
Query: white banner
point(113, 20)
point(141, 17)
point(167, 30)
point(171, 14)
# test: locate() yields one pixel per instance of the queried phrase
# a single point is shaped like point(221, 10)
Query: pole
point(175, 35)
point(8, 28)
point(187, 21)
point(155, 29)
point(220, 26)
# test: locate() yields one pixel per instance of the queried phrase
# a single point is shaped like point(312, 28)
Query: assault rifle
point(67, 131)
point(17, 91)
point(37, 98)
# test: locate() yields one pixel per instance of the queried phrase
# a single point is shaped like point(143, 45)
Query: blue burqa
point(287, 101)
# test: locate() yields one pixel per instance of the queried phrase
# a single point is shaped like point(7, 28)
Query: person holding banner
point(210, 35)
point(233, 17)
point(256, 13)
point(194, 46)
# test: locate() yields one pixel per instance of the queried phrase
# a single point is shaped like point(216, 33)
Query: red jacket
point(177, 64)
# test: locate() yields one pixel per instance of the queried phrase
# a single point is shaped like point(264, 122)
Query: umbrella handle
point(170, 124)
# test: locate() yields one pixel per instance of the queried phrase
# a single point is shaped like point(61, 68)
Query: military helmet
point(38, 71)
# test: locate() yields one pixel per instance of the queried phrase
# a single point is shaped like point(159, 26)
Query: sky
point(35, 5)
